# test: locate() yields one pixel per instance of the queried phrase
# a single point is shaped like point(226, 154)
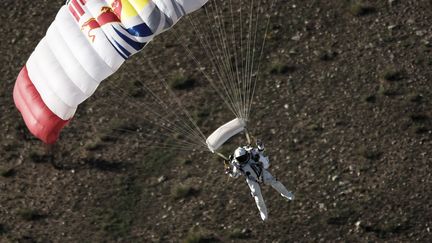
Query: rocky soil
point(344, 107)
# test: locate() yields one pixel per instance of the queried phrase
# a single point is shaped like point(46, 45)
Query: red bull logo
point(126, 40)
point(106, 16)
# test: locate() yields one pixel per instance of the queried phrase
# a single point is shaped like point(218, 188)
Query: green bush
point(415, 98)
point(239, 233)
point(183, 191)
point(7, 172)
point(30, 214)
point(358, 8)
point(392, 74)
point(279, 68)
point(368, 153)
point(370, 98)
point(181, 83)
point(2, 229)
point(326, 55)
point(198, 235)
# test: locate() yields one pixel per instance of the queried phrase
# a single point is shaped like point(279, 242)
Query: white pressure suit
point(255, 171)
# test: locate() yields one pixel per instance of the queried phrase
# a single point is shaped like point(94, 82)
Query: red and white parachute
point(86, 43)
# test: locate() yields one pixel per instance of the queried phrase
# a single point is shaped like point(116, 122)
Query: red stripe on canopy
point(40, 120)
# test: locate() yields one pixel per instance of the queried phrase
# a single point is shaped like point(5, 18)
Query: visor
point(243, 159)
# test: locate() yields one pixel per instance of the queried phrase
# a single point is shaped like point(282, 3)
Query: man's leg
point(259, 200)
point(277, 185)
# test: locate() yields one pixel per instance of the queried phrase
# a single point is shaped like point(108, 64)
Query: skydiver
point(253, 164)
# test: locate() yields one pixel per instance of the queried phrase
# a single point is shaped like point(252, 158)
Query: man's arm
point(234, 172)
point(231, 169)
point(260, 158)
point(264, 160)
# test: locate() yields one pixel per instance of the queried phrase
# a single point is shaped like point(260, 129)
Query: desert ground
point(343, 104)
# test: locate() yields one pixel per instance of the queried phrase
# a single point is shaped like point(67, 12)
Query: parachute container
point(225, 132)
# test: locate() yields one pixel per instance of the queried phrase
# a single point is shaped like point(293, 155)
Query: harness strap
point(248, 176)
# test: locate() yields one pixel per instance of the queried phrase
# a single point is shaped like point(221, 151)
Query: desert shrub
point(30, 214)
point(238, 233)
point(392, 74)
point(370, 98)
point(7, 172)
point(199, 235)
point(93, 145)
point(2, 229)
point(280, 68)
point(389, 90)
point(416, 98)
point(326, 55)
point(186, 161)
point(368, 153)
point(183, 191)
point(420, 129)
point(358, 8)
point(180, 82)
point(419, 118)
point(315, 127)
point(39, 157)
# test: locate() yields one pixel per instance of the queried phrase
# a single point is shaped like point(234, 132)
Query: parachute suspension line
point(192, 124)
point(248, 51)
point(238, 83)
point(206, 75)
point(191, 132)
point(155, 144)
point(248, 137)
point(242, 57)
point(223, 94)
point(233, 50)
point(234, 82)
point(251, 56)
point(225, 66)
point(161, 118)
point(233, 43)
point(163, 123)
point(222, 156)
point(242, 87)
point(224, 59)
point(220, 64)
point(234, 86)
point(185, 146)
point(260, 56)
point(182, 128)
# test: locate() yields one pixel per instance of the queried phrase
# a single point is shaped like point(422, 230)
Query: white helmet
point(241, 155)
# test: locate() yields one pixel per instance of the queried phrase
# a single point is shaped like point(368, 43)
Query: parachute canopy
point(86, 43)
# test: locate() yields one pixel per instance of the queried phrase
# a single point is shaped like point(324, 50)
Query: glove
point(260, 145)
point(227, 167)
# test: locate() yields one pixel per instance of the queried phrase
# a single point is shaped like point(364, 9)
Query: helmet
point(241, 155)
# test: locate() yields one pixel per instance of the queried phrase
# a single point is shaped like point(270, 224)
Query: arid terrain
point(343, 104)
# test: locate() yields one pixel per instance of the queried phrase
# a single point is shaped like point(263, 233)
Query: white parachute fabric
point(225, 132)
point(89, 40)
